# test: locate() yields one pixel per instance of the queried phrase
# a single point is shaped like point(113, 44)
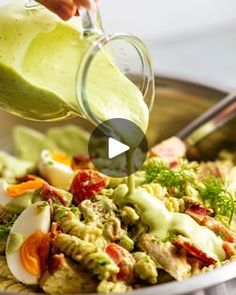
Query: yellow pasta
point(13, 286)
point(5, 272)
point(129, 215)
point(145, 267)
point(71, 225)
point(112, 229)
point(114, 239)
point(155, 189)
point(174, 204)
point(118, 287)
point(87, 254)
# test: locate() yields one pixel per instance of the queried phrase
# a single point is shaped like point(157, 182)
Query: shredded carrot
point(34, 252)
point(61, 158)
point(15, 190)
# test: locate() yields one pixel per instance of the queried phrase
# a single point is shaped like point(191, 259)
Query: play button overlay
point(118, 147)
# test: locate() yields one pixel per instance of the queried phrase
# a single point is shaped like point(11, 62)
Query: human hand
point(65, 9)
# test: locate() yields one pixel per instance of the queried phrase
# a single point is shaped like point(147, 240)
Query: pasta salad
point(66, 228)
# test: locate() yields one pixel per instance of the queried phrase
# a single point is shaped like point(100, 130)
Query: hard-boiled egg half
point(20, 195)
point(55, 168)
point(28, 243)
point(4, 196)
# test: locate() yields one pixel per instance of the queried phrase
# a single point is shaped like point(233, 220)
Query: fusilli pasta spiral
point(13, 286)
point(5, 272)
point(71, 225)
point(155, 189)
point(127, 243)
point(87, 254)
point(129, 216)
point(145, 267)
point(174, 204)
point(112, 229)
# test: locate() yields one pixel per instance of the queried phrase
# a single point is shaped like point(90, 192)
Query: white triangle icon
point(116, 148)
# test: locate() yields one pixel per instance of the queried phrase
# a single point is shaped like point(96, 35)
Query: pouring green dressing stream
point(51, 69)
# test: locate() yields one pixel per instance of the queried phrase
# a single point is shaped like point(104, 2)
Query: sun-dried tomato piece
point(57, 261)
point(55, 230)
point(213, 224)
point(199, 210)
point(26, 178)
point(81, 162)
point(86, 184)
point(50, 193)
point(174, 164)
point(192, 250)
point(123, 259)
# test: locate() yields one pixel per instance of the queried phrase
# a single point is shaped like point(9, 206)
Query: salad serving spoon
point(208, 122)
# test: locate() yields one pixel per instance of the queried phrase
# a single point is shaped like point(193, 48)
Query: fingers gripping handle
point(89, 19)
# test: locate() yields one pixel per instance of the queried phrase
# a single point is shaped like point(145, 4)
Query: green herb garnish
point(219, 198)
point(6, 225)
point(177, 179)
point(220, 235)
point(170, 236)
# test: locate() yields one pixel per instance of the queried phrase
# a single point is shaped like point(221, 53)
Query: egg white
point(56, 173)
point(31, 220)
point(4, 198)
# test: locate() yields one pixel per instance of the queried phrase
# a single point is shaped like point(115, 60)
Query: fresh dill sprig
point(177, 179)
point(219, 198)
point(6, 225)
point(170, 236)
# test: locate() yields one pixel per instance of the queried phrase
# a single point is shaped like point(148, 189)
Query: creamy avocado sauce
point(15, 240)
point(161, 222)
point(39, 57)
point(17, 205)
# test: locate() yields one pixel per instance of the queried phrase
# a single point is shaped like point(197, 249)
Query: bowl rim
point(193, 80)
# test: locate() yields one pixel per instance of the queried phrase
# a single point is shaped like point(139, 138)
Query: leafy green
point(6, 225)
point(213, 192)
point(170, 236)
point(219, 198)
point(173, 179)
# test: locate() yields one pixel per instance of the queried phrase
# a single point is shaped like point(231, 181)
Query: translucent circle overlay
point(125, 132)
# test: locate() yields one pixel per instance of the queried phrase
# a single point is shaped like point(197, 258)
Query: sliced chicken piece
point(169, 149)
point(62, 269)
point(165, 255)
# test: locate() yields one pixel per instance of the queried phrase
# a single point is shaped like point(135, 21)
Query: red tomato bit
point(86, 184)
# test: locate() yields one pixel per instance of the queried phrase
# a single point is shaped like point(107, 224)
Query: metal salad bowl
point(177, 103)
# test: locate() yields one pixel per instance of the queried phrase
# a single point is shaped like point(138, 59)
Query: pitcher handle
point(90, 19)
point(31, 4)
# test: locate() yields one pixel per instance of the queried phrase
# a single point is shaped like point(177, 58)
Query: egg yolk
point(61, 158)
point(34, 252)
point(15, 190)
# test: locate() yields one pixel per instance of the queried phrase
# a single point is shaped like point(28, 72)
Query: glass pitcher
point(51, 69)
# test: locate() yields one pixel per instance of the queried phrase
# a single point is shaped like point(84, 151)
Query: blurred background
point(193, 38)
